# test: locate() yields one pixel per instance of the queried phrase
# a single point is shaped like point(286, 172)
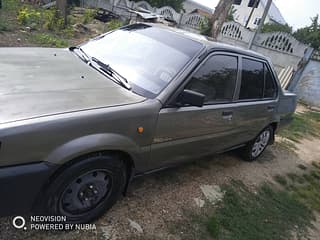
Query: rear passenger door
point(257, 97)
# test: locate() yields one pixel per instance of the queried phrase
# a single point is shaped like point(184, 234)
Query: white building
point(192, 5)
point(244, 7)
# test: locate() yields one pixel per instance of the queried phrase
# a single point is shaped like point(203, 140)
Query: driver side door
point(189, 132)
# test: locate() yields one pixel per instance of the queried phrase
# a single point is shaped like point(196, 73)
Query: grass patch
point(309, 191)
point(302, 167)
point(48, 40)
point(281, 180)
point(267, 214)
point(303, 125)
point(316, 165)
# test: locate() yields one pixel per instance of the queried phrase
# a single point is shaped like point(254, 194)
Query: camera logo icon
point(19, 223)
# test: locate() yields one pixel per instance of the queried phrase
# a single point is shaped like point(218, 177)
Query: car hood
point(37, 82)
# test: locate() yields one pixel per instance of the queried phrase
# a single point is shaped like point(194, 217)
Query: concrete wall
point(282, 48)
point(308, 89)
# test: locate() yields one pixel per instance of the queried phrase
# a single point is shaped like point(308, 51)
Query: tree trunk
point(62, 7)
point(219, 16)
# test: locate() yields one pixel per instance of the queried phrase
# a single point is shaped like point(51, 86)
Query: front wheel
point(257, 146)
point(86, 189)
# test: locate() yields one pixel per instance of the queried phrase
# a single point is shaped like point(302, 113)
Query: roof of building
point(201, 6)
point(274, 13)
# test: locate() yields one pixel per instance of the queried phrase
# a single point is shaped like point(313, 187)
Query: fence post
point(180, 20)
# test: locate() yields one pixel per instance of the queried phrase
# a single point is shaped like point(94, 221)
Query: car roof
point(209, 44)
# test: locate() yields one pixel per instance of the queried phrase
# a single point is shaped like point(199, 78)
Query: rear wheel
point(257, 146)
point(87, 189)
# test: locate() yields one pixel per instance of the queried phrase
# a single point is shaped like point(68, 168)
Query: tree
point(276, 27)
point(177, 4)
point(219, 16)
point(231, 14)
point(62, 7)
point(310, 35)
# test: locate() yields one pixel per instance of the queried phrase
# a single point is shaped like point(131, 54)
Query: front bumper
point(20, 186)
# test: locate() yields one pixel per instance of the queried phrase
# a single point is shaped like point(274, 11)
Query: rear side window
point(270, 89)
point(252, 82)
point(216, 79)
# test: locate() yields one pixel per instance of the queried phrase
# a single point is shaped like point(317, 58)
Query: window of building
point(252, 3)
point(237, 2)
point(252, 82)
point(257, 21)
point(216, 79)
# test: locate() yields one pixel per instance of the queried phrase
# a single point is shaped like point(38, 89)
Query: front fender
point(93, 143)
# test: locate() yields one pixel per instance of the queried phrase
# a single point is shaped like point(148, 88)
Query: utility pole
point(266, 11)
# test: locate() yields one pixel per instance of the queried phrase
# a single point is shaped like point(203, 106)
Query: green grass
point(281, 180)
point(303, 125)
point(48, 40)
point(264, 215)
point(302, 167)
point(309, 192)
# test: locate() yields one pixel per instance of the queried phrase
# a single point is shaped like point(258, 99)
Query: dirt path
point(156, 203)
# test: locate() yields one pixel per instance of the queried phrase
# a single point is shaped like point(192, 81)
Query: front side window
point(216, 79)
point(252, 82)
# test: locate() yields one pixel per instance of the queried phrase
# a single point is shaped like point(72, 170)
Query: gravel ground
point(156, 203)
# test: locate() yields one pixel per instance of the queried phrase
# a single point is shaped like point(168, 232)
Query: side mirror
point(192, 98)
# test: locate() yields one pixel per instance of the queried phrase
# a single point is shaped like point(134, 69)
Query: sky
point(297, 13)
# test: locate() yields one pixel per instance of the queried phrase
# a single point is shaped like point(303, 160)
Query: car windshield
point(148, 57)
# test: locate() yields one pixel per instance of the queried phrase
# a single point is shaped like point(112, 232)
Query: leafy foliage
point(177, 4)
point(49, 40)
point(230, 16)
point(49, 19)
point(27, 16)
point(276, 27)
point(205, 27)
point(311, 34)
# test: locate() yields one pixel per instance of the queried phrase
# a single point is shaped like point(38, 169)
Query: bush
point(49, 19)
point(205, 27)
point(114, 24)
point(88, 16)
point(28, 16)
point(52, 20)
point(49, 40)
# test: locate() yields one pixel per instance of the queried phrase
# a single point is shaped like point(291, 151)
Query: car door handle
point(271, 108)
point(227, 115)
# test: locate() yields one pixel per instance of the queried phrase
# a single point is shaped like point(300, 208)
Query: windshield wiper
point(83, 54)
point(112, 73)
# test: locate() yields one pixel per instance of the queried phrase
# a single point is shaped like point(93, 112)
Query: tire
point(87, 189)
point(256, 147)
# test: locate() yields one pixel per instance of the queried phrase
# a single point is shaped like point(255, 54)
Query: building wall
point(243, 11)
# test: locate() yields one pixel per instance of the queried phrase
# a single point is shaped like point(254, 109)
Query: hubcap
point(85, 192)
point(260, 143)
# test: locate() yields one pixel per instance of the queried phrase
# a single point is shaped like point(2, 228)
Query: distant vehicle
point(76, 125)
